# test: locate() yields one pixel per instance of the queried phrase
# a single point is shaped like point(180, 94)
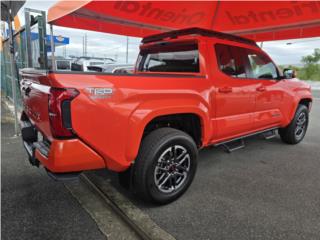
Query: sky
point(114, 46)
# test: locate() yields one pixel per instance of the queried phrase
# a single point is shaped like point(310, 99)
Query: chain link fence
point(20, 60)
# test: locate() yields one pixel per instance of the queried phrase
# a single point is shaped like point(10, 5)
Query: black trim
point(28, 132)
point(198, 31)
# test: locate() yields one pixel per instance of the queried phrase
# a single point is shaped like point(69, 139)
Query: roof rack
point(196, 31)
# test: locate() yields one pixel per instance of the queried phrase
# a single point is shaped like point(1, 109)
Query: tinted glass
point(238, 56)
point(177, 57)
point(231, 60)
point(261, 66)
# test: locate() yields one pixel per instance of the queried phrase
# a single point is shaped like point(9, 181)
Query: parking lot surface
point(33, 206)
point(268, 190)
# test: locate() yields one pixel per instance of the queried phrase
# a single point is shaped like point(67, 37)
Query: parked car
point(83, 63)
point(61, 63)
point(191, 88)
point(113, 68)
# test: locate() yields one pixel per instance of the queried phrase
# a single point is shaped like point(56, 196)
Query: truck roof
point(197, 31)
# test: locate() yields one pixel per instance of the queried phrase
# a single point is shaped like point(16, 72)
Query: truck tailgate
point(35, 89)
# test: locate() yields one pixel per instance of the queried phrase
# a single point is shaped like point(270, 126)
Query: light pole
point(127, 52)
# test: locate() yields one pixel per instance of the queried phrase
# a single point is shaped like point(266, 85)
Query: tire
point(158, 176)
point(296, 130)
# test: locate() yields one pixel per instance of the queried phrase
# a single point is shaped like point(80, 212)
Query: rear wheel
point(165, 166)
point(296, 130)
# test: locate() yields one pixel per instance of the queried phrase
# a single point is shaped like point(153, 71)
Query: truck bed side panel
point(105, 122)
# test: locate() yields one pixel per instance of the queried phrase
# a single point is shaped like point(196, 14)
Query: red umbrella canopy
point(258, 20)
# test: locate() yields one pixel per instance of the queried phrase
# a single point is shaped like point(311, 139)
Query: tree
point(311, 69)
point(313, 58)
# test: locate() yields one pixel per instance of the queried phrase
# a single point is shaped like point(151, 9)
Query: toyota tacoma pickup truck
point(191, 88)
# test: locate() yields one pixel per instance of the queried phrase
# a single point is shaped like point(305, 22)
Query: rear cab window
point(170, 57)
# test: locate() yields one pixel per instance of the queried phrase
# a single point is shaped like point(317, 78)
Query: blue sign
point(58, 40)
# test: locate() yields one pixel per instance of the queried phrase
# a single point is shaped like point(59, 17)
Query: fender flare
point(143, 115)
point(296, 104)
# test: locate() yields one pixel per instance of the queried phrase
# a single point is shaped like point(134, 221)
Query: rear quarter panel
point(113, 126)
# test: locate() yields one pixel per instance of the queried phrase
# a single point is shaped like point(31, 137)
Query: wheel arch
point(305, 100)
point(142, 119)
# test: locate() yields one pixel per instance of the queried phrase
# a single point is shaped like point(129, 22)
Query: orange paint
point(108, 130)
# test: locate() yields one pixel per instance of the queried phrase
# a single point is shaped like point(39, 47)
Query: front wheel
point(165, 166)
point(296, 130)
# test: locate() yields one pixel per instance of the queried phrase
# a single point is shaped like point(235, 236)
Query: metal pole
point(28, 38)
point(64, 51)
point(85, 45)
point(127, 53)
point(53, 62)
point(13, 78)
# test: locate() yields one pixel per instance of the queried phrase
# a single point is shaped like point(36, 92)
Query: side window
point(239, 58)
point(231, 60)
point(261, 66)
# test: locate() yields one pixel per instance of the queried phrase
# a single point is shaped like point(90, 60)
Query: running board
point(238, 143)
point(230, 147)
point(269, 134)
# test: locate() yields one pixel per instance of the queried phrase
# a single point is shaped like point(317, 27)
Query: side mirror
point(289, 73)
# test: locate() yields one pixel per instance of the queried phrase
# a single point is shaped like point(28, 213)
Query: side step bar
point(270, 134)
point(234, 145)
point(238, 143)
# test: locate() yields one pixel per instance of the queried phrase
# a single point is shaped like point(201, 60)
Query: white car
point(82, 63)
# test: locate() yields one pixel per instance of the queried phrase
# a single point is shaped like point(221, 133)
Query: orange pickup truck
point(191, 88)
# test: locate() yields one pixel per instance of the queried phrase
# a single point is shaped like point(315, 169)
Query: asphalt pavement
point(33, 206)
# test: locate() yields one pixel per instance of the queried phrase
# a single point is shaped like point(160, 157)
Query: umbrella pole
point(13, 78)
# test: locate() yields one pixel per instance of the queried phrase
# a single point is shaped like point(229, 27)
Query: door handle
point(225, 89)
point(261, 88)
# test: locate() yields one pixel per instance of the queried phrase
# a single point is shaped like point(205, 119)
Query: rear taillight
point(60, 111)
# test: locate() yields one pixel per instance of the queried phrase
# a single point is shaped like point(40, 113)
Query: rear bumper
point(59, 156)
